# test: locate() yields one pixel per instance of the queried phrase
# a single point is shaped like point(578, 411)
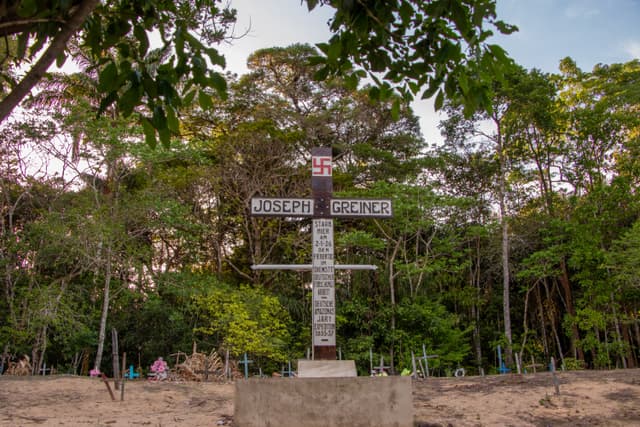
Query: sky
point(589, 31)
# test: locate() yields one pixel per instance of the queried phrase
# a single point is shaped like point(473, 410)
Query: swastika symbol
point(321, 166)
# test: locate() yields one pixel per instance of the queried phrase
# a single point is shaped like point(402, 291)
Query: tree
point(601, 110)
point(623, 259)
point(421, 48)
point(118, 36)
point(259, 142)
point(461, 131)
point(438, 47)
point(243, 320)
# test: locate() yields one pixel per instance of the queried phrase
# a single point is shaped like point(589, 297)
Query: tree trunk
point(543, 323)
point(606, 340)
point(8, 230)
point(636, 329)
point(392, 300)
point(105, 309)
point(475, 314)
point(506, 306)
point(616, 322)
point(37, 351)
point(525, 328)
point(626, 336)
point(475, 310)
point(568, 298)
point(553, 320)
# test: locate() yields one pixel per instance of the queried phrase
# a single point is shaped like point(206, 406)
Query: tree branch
point(57, 46)
point(13, 27)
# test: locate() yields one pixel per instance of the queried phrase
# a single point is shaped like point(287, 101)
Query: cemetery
point(587, 398)
point(322, 214)
point(322, 389)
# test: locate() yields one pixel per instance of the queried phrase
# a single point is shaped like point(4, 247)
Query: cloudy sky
point(589, 31)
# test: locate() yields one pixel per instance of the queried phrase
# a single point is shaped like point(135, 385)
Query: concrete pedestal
point(326, 368)
point(322, 402)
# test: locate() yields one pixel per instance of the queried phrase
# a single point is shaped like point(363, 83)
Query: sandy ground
point(587, 398)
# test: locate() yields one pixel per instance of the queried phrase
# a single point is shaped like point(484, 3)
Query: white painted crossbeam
point(307, 267)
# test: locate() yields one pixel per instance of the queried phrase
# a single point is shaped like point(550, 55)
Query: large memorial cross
point(322, 208)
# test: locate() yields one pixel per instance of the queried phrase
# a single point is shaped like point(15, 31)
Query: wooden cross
point(245, 362)
point(287, 372)
point(44, 369)
point(382, 368)
point(322, 208)
point(426, 358)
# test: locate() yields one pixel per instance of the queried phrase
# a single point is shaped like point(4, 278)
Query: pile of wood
point(20, 368)
point(201, 367)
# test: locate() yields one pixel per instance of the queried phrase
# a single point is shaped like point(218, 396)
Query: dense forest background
point(520, 230)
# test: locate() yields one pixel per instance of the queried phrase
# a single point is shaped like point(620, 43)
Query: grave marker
point(382, 368)
point(426, 358)
point(245, 361)
point(322, 208)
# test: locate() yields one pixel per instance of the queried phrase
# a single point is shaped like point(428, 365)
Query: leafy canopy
point(422, 48)
point(119, 37)
point(245, 320)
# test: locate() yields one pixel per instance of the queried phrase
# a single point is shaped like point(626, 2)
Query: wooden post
point(115, 357)
point(106, 382)
point(370, 360)
point(426, 359)
point(122, 376)
point(227, 374)
point(556, 382)
point(424, 374)
point(414, 372)
point(322, 276)
point(381, 370)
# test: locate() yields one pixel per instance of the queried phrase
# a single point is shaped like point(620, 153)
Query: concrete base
point(326, 368)
point(322, 402)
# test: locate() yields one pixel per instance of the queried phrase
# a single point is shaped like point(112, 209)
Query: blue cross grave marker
point(246, 362)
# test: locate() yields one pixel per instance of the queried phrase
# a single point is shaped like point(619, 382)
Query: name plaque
point(269, 206)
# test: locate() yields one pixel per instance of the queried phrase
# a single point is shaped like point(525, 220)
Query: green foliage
point(117, 35)
point(572, 364)
point(363, 326)
point(427, 322)
point(244, 320)
point(419, 48)
point(159, 324)
point(623, 260)
point(170, 228)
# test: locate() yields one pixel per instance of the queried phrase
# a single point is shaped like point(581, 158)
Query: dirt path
point(587, 398)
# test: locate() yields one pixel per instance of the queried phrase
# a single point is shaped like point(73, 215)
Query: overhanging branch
point(10, 28)
point(57, 46)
